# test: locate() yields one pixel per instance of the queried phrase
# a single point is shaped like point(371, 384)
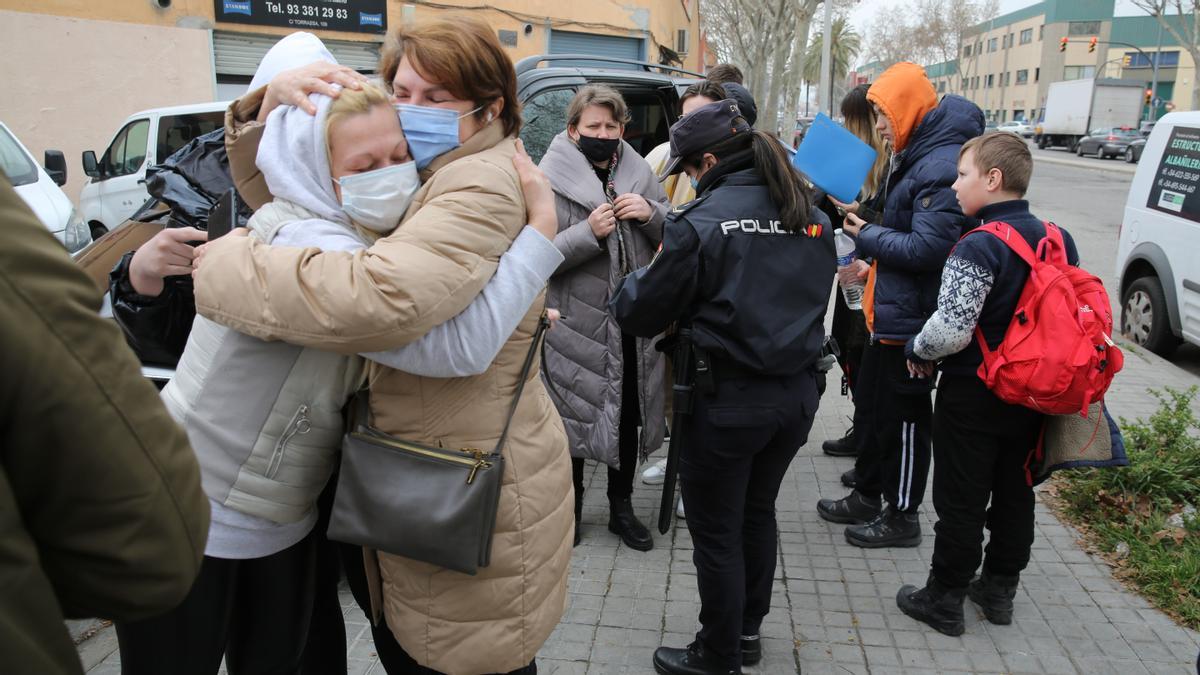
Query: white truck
point(1075, 107)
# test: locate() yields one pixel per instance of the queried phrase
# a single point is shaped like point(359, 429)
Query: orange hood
point(905, 95)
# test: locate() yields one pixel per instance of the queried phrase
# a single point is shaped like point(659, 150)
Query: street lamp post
point(1154, 81)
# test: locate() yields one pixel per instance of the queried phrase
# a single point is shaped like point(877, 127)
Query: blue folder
point(834, 159)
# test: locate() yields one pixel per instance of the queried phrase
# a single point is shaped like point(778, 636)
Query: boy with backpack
point(981, 442)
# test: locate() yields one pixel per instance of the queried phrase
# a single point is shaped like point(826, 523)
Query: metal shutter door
point(566, 42)
point(240, 54)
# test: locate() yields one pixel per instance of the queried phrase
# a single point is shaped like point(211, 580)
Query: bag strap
point(538, 335)
point(1013, 239)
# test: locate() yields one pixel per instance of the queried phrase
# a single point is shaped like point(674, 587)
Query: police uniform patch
point(925, 203)
point(813, 231)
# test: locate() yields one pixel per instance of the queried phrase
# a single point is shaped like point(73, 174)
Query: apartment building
point(78, 68)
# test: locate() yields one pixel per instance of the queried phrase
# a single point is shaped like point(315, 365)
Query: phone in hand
point(224, 215)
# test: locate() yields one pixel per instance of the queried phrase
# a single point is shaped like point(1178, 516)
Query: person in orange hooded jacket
point(920, 222)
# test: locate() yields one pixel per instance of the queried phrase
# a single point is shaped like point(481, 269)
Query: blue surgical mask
point(695, 183)
point(431, 132)
point(378, 199)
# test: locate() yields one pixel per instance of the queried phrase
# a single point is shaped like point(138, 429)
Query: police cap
point(702, 129)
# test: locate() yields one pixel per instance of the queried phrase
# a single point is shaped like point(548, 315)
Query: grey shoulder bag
point(432, 504)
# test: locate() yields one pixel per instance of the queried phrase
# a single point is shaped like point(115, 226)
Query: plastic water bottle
point(853, 293)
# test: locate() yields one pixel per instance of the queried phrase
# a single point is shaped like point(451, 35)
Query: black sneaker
point(850, 479)
point(937, 605)
point(841, 447)
point(691, 661)
point(751, 650)
point(853, 509)
point(890, 528)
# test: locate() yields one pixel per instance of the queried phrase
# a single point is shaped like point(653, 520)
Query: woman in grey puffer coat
point(606, 384)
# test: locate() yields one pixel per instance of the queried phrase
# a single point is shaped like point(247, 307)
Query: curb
point(1115, 167)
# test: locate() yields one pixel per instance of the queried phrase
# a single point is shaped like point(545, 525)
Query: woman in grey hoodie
point(265, 417)
point(611, 210)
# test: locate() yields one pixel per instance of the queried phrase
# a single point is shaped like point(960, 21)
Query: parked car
point(1157, 265)
point(651, 90)
point(117, 178)
point(1106, 142)
point(1133, 151)
point(39, 187)
point(1145, 128)
point(1018, 127)
point(990, 126)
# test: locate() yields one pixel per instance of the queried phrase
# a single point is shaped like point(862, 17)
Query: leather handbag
point(432, 504)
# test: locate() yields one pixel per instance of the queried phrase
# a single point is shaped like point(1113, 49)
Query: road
point(1087, 196)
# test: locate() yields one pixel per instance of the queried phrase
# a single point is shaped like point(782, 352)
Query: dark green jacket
point(101, 512)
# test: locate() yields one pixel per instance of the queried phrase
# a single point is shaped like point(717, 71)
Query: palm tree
point(844, 49)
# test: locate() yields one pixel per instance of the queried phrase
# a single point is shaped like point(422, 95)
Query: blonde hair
point(860, 121)
point(349, 103)
point(354, 102)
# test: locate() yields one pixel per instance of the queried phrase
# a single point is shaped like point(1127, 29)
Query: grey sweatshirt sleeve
point(965, 287)
point(467, 344)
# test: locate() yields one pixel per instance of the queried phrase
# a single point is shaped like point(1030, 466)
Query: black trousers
point(737, 446)
point(620, 480)
point(253, 613)
point(893, 414)
point(980, 446)
point(850, 330)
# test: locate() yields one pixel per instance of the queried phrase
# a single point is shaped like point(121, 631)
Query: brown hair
point(1006, 152)
point(462, 54)
point(597, 94)
point(724, 72)
point(706, 88)
point(860, 121)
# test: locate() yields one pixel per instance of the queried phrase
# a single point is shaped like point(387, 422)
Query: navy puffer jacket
point(921, 220)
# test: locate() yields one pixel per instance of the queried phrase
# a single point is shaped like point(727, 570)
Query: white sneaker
point(656, 473)
point(679, 509)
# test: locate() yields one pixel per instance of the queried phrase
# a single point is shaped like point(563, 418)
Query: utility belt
point(708, 369)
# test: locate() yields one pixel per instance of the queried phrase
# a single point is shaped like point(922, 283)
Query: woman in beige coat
point(464, 217)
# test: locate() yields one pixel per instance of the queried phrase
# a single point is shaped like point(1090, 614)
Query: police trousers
point(738, 444)
point(893, 412)
point(980, 444)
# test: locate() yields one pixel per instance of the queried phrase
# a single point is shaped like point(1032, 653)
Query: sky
point(862, 15)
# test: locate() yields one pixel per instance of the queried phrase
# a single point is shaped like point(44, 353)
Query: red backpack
point(1057, 356)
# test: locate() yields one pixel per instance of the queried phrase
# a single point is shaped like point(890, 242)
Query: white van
point(1158, 255)
point(117, 184)
point(39, 187)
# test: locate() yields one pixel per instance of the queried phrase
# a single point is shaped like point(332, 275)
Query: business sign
point(357, 16)
point(1176, 187)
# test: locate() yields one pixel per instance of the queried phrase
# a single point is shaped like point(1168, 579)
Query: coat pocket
point(297, 426)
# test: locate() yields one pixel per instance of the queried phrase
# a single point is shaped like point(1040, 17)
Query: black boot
point(841, 447)
point(853, 509)
point(889, 528)
point(578, 513)
point(936, 605)
point(850, 479)
point(751, 649)
point(624, 523)
point(994, 593)
point(690, 661)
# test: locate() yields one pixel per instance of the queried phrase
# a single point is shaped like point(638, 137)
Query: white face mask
point(378, 199)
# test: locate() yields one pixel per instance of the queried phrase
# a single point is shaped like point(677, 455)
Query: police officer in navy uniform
point(749, 265)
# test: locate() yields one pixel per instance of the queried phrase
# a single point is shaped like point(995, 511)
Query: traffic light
point(1091, 45)
point(1062, 45)
point(1126, 60)
point(1149, 95)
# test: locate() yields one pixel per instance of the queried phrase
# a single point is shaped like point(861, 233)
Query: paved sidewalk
point(834, 607)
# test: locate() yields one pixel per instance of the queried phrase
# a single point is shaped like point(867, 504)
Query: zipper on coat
point(301, 425)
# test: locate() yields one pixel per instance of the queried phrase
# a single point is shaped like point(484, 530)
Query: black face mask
point(598, 149)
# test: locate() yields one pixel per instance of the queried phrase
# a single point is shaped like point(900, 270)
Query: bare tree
point(1185, 30)
point(891, 37)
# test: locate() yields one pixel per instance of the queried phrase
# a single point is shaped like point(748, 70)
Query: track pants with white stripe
point(893, 414)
